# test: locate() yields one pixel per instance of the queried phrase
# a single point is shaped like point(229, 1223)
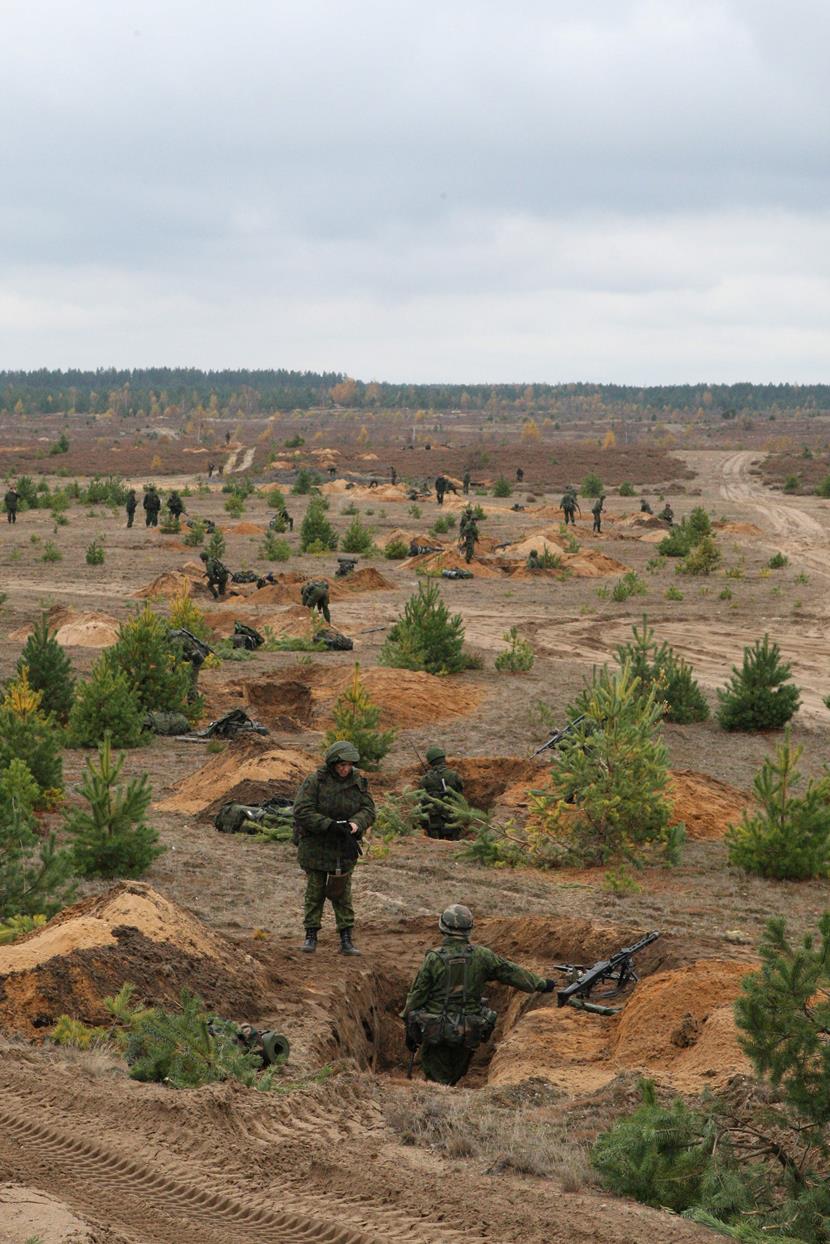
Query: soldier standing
point(130, 506)
point(394, 475)
point(465, 481)
point(175, 504)
point(437, 782)
point(569, 505)
point(315, 595)
point(217, 575)
point(152, 505)
point(645, 508)
point(444, 1011)
point(11, 498)
point(468, 530)
point(667, 514)
point(519, 475)
point(440, 489)
point(596, 510)
point(332, 811)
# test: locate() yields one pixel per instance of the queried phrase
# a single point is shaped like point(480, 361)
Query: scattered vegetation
point(761, 695)
point(658, 668)
point(316, 532)
point(34, 873)
point(273, 549)
point(49, 670)
point(502, 488)
point(106, 705)
point(519, 656)
point(426, 636)
point(356, 718)
point(358, 538)
point(110, 837)
point(95, 554)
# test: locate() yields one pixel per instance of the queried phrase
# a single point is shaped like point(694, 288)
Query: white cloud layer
point(631, 190)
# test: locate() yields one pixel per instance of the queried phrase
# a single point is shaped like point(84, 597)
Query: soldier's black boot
point(310, 943)
point(347, 946)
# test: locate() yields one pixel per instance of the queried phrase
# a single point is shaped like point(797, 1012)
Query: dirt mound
point(171, 583)
point(246, 529)
point(383, 492)
point(367, 579)
point(77, 629)
point(130, 933)
point(252, 760)
point(640, 520)
point(738, 529)
point(280, 703)
point(538, 540)
point(486, 778)
point(588, 564)
point(405, 697)
point(451, 560)
point(294, 621)
point(706, 805)
point(286, 591)
point(29, 1214)
point(654, 537)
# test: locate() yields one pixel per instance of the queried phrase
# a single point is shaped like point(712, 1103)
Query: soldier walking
point(152, 505)
point(11, 498)
point(332, 811)
point(438, 781)
point(444, 1012)
point(175, 504)
point(440, 489)
point(465, 482)
point(130, 506)
point(569, 505)
point(217, 575)
point(596, 510)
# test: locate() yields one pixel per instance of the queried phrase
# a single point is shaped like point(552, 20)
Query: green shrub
point(788, 838)
point(626, 489)
point(235, 506)
point(27, 734)
point(356, 719)
point(350, 509)
point(414, 511)
point(519, 657)
point(274, 499)
point(274, 549)
point(778, 561)
point(304, 483)
point(396, 550)
point(759, 696)
point(103, 490)
point(195, 534)
point(443, 524)
point(110, 837)
point(673, 593)
point(316, 530)
point(823, 489)
point(34, 874)
point(426, 636)
point(702, 559)
point(629, 585)
point(15, 927)
point(592, 486)
point(502, 487)
point(107, 704)
point(358, 538)
point(295, 441)
point(95, 554)
point(60, 446)
point(791, 484)
point(51, 553)
point(215, 546)
point(159, 677)
point(49, 670)
point(660, 670)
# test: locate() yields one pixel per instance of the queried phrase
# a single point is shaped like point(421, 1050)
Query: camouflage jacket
point(437, 780)
point(152, 502)
point(214, 569)
point(314, 593)
point(323, 799)
point(440, 982)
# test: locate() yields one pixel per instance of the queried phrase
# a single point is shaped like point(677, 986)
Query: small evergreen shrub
point(358, 538)
point(195, 535)
point(778, 561)
point(673, 593)
point(788, 838)
point(761, 695)
point(234, 505)
point(660, 669)
point(702, 559)
point(592, 486)
point(275, 499)
point(34, 874)
point(106, 704)
point(356, 719)
point(95, 554)
point(51, 553)
point(110, 837)
point(823, 489)
point(304, 483)
point(28, 734)
point(60, 446)
point(49, 670)
point(273, 549)
point(215, 546)
point(159, 677)
point(442, 525)
point(426, 636)
point(629, 585)
point(396, 550)
point(15, 927)
point(791, 484)
point(626, 489)
point(502, 487)
point(184, 612)
point(316, 529)
point(519, 657)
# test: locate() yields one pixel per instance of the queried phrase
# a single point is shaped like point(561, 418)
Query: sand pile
point(640, 520)
point(286, 591)
point(278, 770)
point(706, 805)
point(367, 579)
point(246, 529)
point(171, 583)
point(589, 564)
point(538, 540)
point(450, 559)
point(360, 492)
point(738, 529)
point(280, 703)
point(77, 629)
point(486, 778)
point(295, 621)
point(405, 697)
point(130, 933)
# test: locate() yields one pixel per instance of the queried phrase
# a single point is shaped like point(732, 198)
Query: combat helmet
point(342, 752)
point(456, 919)
point(435, 753)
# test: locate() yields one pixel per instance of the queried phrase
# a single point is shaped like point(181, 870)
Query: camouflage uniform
point(445, 1005)
point(645, 508)
point(175, 504)
point(470, 539)
point(438, 780)
point(11, 499)
point(315, 595)
point(152, 505)
point(327, 851)
point(217, 575)
point(534, 561)
point(466, 483)
point(440, 489)
point(596, 510)
point(130, 507)
point(667, 514)
point(568, 506)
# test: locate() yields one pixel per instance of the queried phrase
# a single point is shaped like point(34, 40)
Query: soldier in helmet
point(597, 511)
point(438, 781)
point(444, 1012)
point(315, 595)
point(534, 561)
point(645, 508)
point(332, 811)
point(217, 575)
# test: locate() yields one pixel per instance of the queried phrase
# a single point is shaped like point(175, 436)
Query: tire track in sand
point(174, 1203)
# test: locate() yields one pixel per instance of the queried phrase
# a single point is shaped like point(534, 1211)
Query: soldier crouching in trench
point(444, 1012)
point(332, 811)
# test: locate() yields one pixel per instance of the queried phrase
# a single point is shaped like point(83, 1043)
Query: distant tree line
point(155, 391)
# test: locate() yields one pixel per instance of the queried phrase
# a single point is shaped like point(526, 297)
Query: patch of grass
point(778, 561)
point(673, 593)
point(629, 585)
point(51, 553)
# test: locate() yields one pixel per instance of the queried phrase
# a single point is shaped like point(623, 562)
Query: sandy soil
point(110, 1160)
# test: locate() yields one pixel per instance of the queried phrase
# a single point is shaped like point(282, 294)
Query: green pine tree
point(356, 718)
point(789, 836)
point(106, 705)
point(358, 537)
point(659, 668)
point(426, 637)
point(34, 874)
point(609, 776)
point(110, 837)
point(161, 680)
point(316, 532)
point(761, 695)
point(50, 671)
point(29, 735)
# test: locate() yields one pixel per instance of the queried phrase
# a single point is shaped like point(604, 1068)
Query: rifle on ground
point(558, 735)
point(617, 971)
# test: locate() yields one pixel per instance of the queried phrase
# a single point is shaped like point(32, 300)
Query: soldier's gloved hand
point(343, 827)
point(550, 986)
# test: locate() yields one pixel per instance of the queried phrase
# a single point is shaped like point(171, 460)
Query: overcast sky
point(609, 190)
